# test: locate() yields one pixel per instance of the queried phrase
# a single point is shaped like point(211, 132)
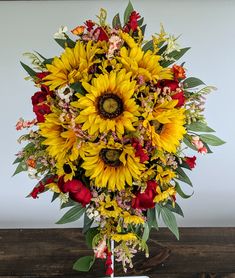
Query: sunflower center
point(157, 126)
point(67, 169)
point(111, 157)
point(110, 208)
point(110, 106)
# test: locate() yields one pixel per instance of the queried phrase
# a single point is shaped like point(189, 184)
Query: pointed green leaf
point(18, 160)
point(30, 71)
point(148, 46)
point(145, 236)
point(208, 148)
point(77, 87)
point(188, 143)
point(140, 22)
point(128, 11)
point(175, 55)
point(55, 196)
point(142, 28)
point(20, 168)
point(162, 49)
point(116, 21)
point(152, 218)
point(200, 126)
point(66, 42)
point(86, 223)
point(192, 82)
point(169, 219)
point(84, 263)
point(211, 139)
point(72, 215)
point(90, 234)
point(180, 191)
point(182, 176)
point(70, 203)
point(176, 209)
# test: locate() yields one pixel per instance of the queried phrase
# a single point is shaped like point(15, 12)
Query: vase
point(113, 267)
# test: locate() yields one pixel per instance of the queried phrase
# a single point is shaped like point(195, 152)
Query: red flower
point(41, 110)
point(191, 161)
point(102, 35)
point(37, 190)
point(171, 84)
point(77, 191)
point(89, 24)
point(145, 200)
point(40, 96)
point(140, 151)
point(180, 97)
point(133, 20)
point(41, 75)
point(109, 271)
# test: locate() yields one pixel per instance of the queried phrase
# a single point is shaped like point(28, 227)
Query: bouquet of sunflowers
point(114, 116)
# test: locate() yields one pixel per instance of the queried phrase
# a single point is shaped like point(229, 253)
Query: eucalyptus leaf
point(72, 215)
point(180, 191)
point(129, 9)
point(200, 126)
point(182, 176)
point(169, 219)
point(192, 82)
point(152, 218)
point(211, 139)
point(176, 208)
point(84, 263)
point(145, 236)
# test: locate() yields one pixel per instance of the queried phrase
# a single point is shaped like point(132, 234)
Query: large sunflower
point(165, 126)
point(140, 63)
point(109, 104)
point(112, 165)
point(60, 139)
point(72, 66)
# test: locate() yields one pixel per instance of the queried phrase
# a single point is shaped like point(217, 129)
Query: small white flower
point(32, 172)
point(61, 33)
point(65, 93)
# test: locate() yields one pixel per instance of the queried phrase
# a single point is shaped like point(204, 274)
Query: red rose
point(140, 151)
point(180, 97)
point(145, 200)
point(171, 84)
point(77, 191)
point(102, 35)
point(41, 110)
point(89, 24)
point(191, 161)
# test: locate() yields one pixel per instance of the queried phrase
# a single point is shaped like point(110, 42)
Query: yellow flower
point(61, 140)
point(164, 176)
point(166, 126)
point(132, 219)
point(124, 237)
point(112, 165)
point(108, 105)
point(66, 169)
point(164, 195)
point(109, 208)
point(140, 63)
point(53, 187)
point(72, 66)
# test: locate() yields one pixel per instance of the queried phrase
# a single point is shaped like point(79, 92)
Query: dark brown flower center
point(157, 126)
point(67, 169)
point(110, 106)
point(111, 156)
point(110, 208)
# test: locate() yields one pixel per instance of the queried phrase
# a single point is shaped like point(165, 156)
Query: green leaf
point(142, 28)
point(128, 11)
point(145, 236)
point(77, 87)
point(169, 219)
point(148, 46)
point(20, 168)
point(176, 209)
point(72, 215)
point(18, 160)
point(180, 191)
point(192, 82)
point(175, 55)
point(68, 204)
point(200, 126)
point(116, 21)
point(87, 223)
point(208, 148)
point(30, 71)
point(66, 42)
point(151, 218)
point(84, 263)
point(162, 49)
point(211, 140)
point(182, 176)
point(90, 234)
point(188, 143)
point(140, 22)
point(55, 196)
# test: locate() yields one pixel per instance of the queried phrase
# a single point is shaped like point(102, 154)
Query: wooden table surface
point(201, 252)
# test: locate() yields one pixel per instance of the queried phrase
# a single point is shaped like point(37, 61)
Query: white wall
point(207, 26)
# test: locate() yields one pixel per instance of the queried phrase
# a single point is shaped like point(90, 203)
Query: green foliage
point(180, 191)
point(20, 168)
point(30, 71)
point(18, 160)
point(55, 196)
point(211, 140)
point(66, 42)
point(87, 223)
point(192, 82)
point(176, 209)
point(152, 218)
point(77, 87)
point(146, 232)
point(200, 126)
point(188, 143)
point(182, 176)
point(72, 215)
point(116, 23)
point(174, 56)
point(68, 204)
point(84, 263)
point(90, 235)
point(148, 46)
point(140, 22)
point(129, 9)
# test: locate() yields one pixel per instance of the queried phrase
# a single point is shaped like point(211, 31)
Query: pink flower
point(203, 150)
point(100, 250)
point(199, 145)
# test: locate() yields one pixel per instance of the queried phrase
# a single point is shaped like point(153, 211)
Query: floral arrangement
point(114, 117)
